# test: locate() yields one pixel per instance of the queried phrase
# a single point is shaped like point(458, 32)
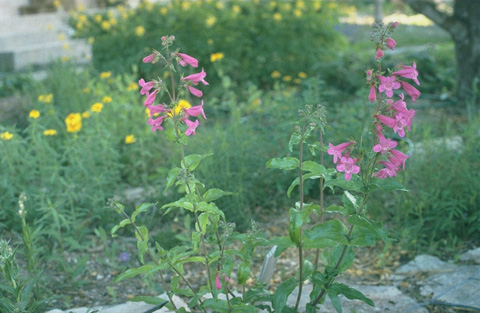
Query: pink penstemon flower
point(388, 84)
point(347, 165)
point(150, 98)
point(145, 86)
point(192, 126)
point(218, 284)
point(384, 144)
point(195, 111)
point(410, 90)
point(194, 91)
point(409, 72)
point(391, 43)
point(149, 58)
point(337, 151)
point(185, 59)
point(379, 54)
point(197, 78)
point(372, 96)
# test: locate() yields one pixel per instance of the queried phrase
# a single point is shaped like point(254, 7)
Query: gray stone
point(462, 286)
point(471, 256)
point(425, 263)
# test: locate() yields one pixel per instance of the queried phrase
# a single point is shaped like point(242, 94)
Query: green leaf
point(281, 294)
point(213, 194)
point(282, 243)
point(181, 203)
point(216, 305)
point(310, 308)
point(350, 293)
point(350, 202)
point(294, 140)
point(335, 302)
point(172, 176)
point(141, 208)
point(287, 163)
point(210, 208)
point(295, 226)
point(340, 209)
point(149, 300)
point(244, 308)
point(353, 185)
point(123, 223)
point(375, 227)
point(134, 272)
point(386, 185)
point(142, 242)
point(243, 272)
point(347, 260)
point(326, 233)
point(193, 160)
point(361, 236)
point(313, 167)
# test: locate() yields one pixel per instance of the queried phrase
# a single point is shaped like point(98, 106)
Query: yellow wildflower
point(82, 18)
point(113, 21)
point(34, 114)
point(302, 75)
point(106, 25)
point(236, 9)
point(139, 31)
point(276, 74)
point(287, 78)
point(130, 139)
point(50, 132)
point(300, 4)
point(73, 122)
point(50, 26)
point(6, 136)
point(132, 86)
point(105, 74)
point(297, 80)
point(91, 40)
point(98, 18)
point(185, 5)
point(211, 21)
point(220, 5)
point(65, 59)
point(216, 56)
point(273, 4)
point(107, 99)
point(297, 13)
point(45, 98)
point(210, 41)
point(56, 3)
point(61, 37)
point(65, 46)
point(277, 17)
point(97, 107)
point(86, 114)
point(163, 10)
point(182, 104)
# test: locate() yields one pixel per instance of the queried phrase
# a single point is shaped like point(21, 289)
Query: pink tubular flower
point(218, 284)
point(154, 109)
point(372, 96)
point(388, 84)
point(145, 86)
point(347, 165)
point(409, 72)
point(337, 151)
point(156, 123)
point(195, 111)
point(390, 122)
point(191, 131)
point(398, 158)
point(379, 54)
point(391, 43)
point(194, 91)
point(150, 98)
point(149, 58)
point(384, 144)
point(388, 171)
point(410, 90)
point(186, 59)
point(197, 78)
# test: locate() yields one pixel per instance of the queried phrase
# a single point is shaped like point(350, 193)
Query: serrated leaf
point(353, 185)
point(210, 208)
point(286, 163)
point(134, 272)
point(361, 236)
point(142, 242)
point(279, 300)
point(375, 227)
point(214, 194)
point(172, 176)
point(181, 203)
point(387, 185)
point(193, 160)
point(332, 230)
point(350, 293)
point(313, 167)
point(350, 202)
point(294, 140)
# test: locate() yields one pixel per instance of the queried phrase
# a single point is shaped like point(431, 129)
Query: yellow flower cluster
point(130, 139)
point(50, 132)
point(34, 114)
point(287, 78)
point(139, 31)
point(105, 75)
point(73, 122)
point(216, 56)
point(132, 86)
point(107, 99)
point(97, 107)
point(6, 135)
point(45, 98)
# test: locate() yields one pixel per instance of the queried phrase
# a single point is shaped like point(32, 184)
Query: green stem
point(300, 250)
point(322, 208)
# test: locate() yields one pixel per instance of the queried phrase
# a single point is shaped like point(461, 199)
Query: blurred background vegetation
point(277, 57)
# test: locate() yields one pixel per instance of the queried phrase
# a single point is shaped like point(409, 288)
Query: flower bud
point(379, 54)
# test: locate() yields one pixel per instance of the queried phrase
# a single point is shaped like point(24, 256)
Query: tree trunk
point(464, 28)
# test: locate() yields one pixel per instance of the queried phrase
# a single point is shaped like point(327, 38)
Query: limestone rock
point(471, 256)
point(425, 263)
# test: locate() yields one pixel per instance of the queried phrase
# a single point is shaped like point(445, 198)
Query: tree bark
point(464, 28)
